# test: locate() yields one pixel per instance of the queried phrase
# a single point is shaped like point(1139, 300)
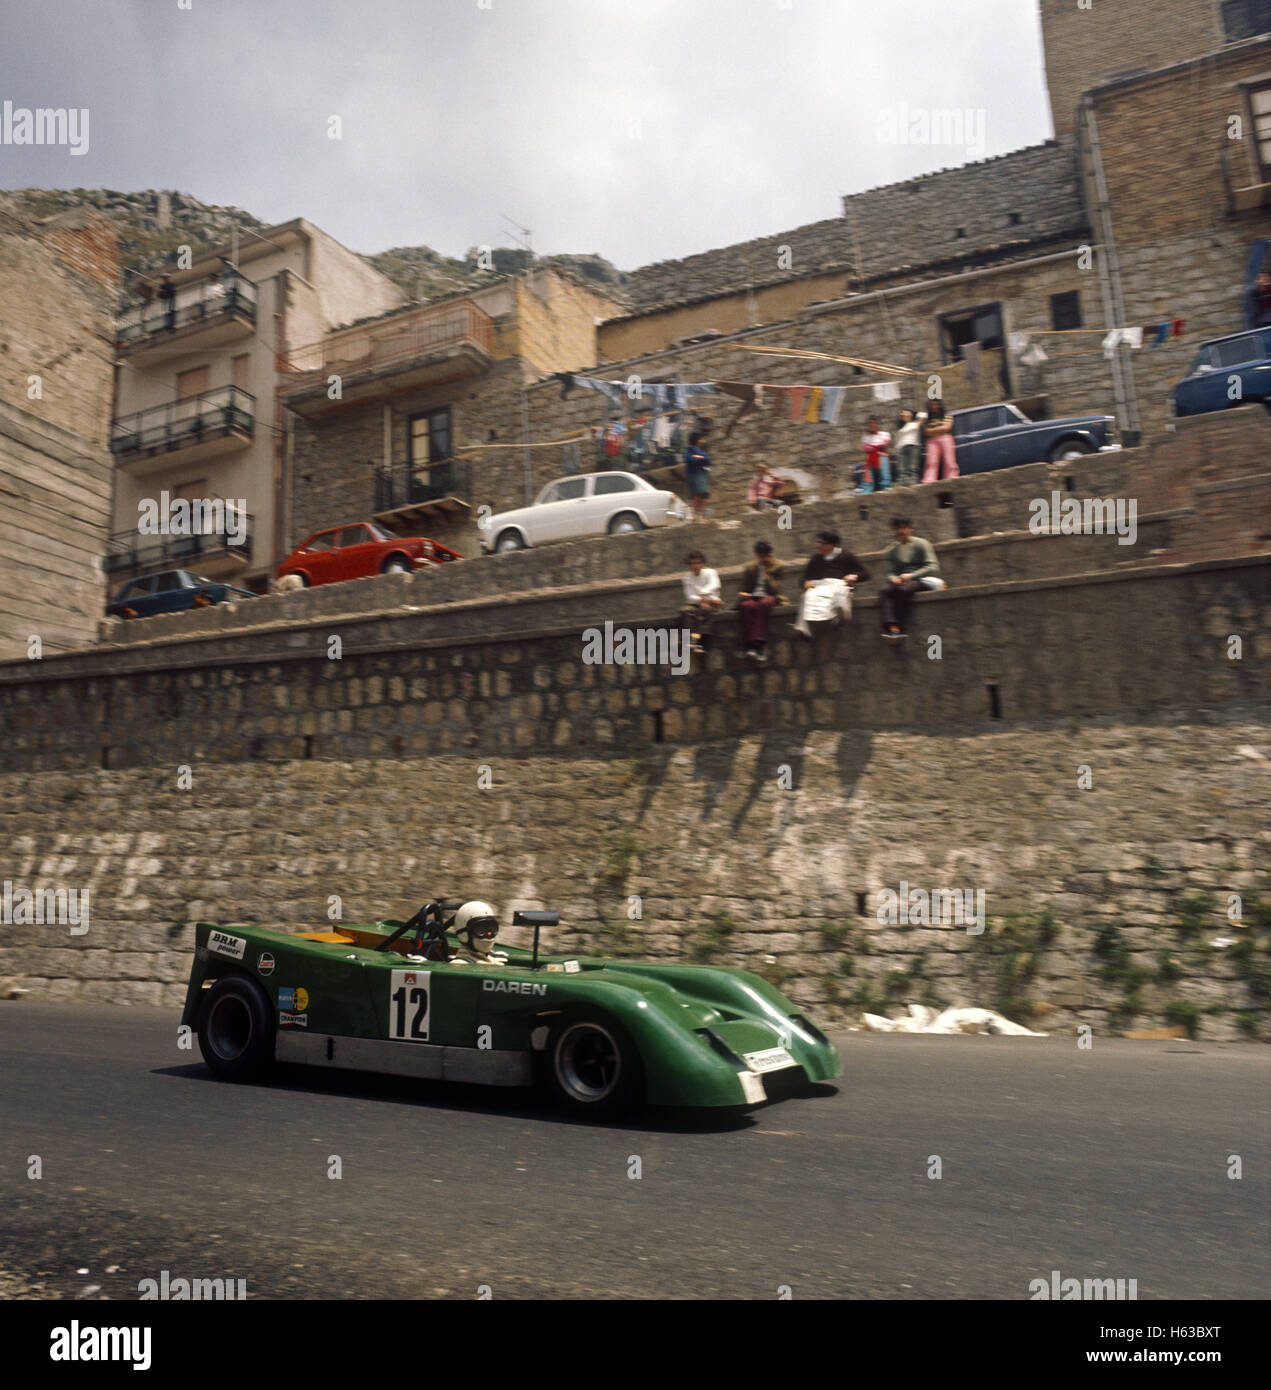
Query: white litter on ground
point(924, 1020)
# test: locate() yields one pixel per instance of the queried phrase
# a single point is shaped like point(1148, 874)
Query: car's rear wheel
point(624, 523)
point(397, 564)
point(592, 1067)
point(510, 540)
point(236, 1029)
point(1070, 449)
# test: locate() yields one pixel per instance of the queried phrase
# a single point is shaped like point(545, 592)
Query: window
point(138, 587)
point(972, 421)
point(566, 490)
point(322, 542)
point(1237, 351)
point(1065, 310)
point(192, 383)
point(1245, 19)
point(167, 582)
point(429, 437)
point(354, 535)
point(613, 482)
point(982, 325)
point(1259, 96)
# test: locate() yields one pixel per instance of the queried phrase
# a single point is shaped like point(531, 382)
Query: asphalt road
point(1101, 1164)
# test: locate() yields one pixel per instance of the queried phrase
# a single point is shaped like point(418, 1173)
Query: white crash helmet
point(478, 920)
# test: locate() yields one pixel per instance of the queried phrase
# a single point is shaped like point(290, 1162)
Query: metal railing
point(408, 484)
point(134, 550)
point(402, 339)
point(208, 300)
point(176, 424)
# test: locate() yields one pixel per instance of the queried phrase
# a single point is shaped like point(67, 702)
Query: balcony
point(216, 422)
point(408, 493)
point(214, 555)
point(202, 315)
point(423, 347)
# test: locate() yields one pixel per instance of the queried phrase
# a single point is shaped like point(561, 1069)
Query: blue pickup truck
point(1210, 383)
point(1000, 436)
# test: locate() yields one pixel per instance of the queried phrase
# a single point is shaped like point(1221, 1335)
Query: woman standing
point(941, 460)
point(697, 472)
point(908, 443)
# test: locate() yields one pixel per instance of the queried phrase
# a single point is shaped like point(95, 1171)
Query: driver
point(476, 926)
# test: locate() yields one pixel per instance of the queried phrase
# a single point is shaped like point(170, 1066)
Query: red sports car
point(358, 550)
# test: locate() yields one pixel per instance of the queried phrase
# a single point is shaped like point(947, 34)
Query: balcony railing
point(401, 340)
point(191, 420)
point(133, 550)
point(410, 485)
point(204, 302)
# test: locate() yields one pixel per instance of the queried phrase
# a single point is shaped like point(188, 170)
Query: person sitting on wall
point(702, 600)
point(762, 492)
point(911, 567)
point(826, 580)
point(760, 594)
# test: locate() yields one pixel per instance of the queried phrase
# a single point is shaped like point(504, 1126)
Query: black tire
point(396, 564)
point(624, 523)
point(509, 540)
point(591, 1066)
point(236, 1029)
point(1069, 448)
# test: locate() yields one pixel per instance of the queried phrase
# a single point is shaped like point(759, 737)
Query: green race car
point(399, 997)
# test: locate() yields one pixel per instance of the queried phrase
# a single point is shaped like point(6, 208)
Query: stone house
point(1143, 211)
point(197, 413)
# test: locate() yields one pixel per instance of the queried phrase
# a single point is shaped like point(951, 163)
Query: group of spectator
point(825, 589)
point(925, 435)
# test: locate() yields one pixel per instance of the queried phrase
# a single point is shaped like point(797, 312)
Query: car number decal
point(409, 1003)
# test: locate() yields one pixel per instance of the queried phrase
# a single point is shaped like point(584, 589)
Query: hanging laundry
point(971, 356)
point(1122, 337)
point(1158, 331)
point(797, 394)
point(662, 432)
point(613, 389)
point(885, 390)
point(812, 415)
point(832, 404)
point(745, 391)
point(780, 399)
point(1033, 355)
point(1018, 342)
point(1179, 324)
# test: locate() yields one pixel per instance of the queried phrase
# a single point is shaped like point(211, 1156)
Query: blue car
point(1210, 383)
point(1000, 436)
point(172, 591)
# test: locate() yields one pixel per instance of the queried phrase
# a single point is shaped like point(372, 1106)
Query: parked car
point(395, 997)
point(1001, 436)
point(357, 550)
point(1208, 383)
point(172, 591)
point(590, 504)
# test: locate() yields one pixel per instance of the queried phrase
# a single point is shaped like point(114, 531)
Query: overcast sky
point(638, 129)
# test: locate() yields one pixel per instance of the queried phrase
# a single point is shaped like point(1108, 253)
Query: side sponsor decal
point(226, 945)
point(294, 1020)
point(265, 963)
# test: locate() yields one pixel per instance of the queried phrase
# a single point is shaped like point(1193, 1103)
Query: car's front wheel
point(1070, 449)
point(510, 540)
point(592, 1067)
point(396, 564)
point(236, 1029)
point(624, 523)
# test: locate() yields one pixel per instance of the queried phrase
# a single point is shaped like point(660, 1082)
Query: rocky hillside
point(153, 224)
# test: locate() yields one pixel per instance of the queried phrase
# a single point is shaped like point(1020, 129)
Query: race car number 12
point(408, 1006)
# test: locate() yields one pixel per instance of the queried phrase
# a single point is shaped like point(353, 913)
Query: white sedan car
point(590, 504)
